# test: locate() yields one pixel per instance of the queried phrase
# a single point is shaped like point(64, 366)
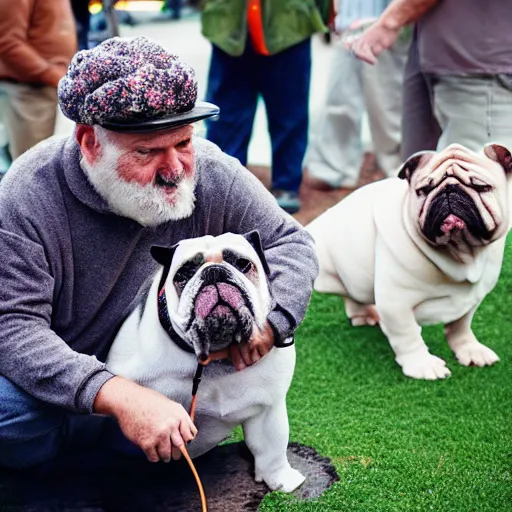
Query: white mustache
point(174, 172)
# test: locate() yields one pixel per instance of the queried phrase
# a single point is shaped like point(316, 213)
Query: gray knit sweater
point(70, 269)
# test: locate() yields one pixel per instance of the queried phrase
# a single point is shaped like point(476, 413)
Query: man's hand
point(52, 75)
point(372, 42)
point(245, 354)
point(156, 424)
point(384, 33)
point(360, 24)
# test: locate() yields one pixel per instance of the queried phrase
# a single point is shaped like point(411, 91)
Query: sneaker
point(288, 201)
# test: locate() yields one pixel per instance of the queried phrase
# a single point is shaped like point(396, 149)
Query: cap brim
point(201, 110)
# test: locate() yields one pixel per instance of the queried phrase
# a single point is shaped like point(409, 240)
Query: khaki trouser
point(335, 152)
point(28, 112)
point(472, 111)
point(440, 110)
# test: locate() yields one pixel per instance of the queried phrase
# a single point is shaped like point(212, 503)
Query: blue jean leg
point(32, 432)
point(284, 80)
point(232, 87)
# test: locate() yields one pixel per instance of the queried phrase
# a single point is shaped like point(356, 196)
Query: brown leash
point(215, 356)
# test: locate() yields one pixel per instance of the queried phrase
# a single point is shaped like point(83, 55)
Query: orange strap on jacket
point(255, 26)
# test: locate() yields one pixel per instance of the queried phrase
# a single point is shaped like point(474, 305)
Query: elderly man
point(78, 216)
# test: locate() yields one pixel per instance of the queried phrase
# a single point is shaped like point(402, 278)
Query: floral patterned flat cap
point(132, 85)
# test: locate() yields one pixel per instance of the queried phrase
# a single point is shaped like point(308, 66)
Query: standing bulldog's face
point(459, 197)
point(216, 289)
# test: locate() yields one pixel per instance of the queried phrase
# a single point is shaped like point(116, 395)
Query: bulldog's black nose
point(214, 273)
point(452, 188)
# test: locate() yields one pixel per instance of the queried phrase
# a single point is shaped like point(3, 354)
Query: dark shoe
point(288, 201)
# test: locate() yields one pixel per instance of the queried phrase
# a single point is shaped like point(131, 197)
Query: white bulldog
point(210, 293)
point(424, 249)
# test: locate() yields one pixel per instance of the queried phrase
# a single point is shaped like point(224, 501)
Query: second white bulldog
point(424, 249)
point(211, 293)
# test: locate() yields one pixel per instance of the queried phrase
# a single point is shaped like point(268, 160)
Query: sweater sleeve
point(288, 247)
point(31, 354)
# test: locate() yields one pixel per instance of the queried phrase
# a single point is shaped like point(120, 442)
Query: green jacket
point(285, 23)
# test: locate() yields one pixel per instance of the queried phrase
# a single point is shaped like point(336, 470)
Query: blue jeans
point(32, 432)
point(175, 7)
point(234, 84)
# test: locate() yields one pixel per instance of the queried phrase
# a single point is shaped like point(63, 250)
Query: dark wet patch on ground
point(120, 484)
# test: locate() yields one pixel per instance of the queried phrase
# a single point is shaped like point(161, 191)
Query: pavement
point(184, 38)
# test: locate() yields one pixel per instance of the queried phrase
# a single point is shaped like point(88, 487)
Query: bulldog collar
point(165, 322)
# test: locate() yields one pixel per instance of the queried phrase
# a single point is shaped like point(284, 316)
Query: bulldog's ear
point(499, 154)
point(413, 162)
point(254, 239)
point(163, 255)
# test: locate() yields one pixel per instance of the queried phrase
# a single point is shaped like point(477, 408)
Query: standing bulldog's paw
point(361, 314)
point(286, 480)
point(474, 353)
point(422, 365)
point(367, 319)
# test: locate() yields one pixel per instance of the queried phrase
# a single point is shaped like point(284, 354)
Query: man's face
point(160, 159)
point(146, 177)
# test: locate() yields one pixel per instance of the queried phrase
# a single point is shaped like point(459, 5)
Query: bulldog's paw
point(474, 353)
point(360, 314)
point(286, 480)
point(422, 365)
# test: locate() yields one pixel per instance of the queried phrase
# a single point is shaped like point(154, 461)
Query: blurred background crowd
point(315, 109)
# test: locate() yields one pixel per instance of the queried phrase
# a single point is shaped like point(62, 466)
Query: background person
point(335, 152)
point(263, 47)
point(459, 70)
point(37, 41)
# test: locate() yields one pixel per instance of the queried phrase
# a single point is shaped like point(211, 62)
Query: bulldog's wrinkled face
point(459, 197)
point(217, 291)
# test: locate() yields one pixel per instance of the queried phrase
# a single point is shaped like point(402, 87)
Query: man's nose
point(171, 159)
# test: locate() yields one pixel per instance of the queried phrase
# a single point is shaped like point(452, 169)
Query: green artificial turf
point(398, 443)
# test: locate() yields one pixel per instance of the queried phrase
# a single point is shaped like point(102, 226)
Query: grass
point(399, 444)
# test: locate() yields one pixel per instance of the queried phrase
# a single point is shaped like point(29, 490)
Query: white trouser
point(335, 151)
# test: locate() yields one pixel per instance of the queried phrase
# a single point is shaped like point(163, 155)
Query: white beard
point(146, 204)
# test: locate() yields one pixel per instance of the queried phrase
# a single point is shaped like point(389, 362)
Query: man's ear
point(254, 239)
point(163, 255)
point(413, 162)
point(86, 138)
point(499, 154)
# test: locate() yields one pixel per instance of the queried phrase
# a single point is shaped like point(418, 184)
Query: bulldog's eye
point(424, 191)
point(243, 265)
point(480, 186)
point(180, 280)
